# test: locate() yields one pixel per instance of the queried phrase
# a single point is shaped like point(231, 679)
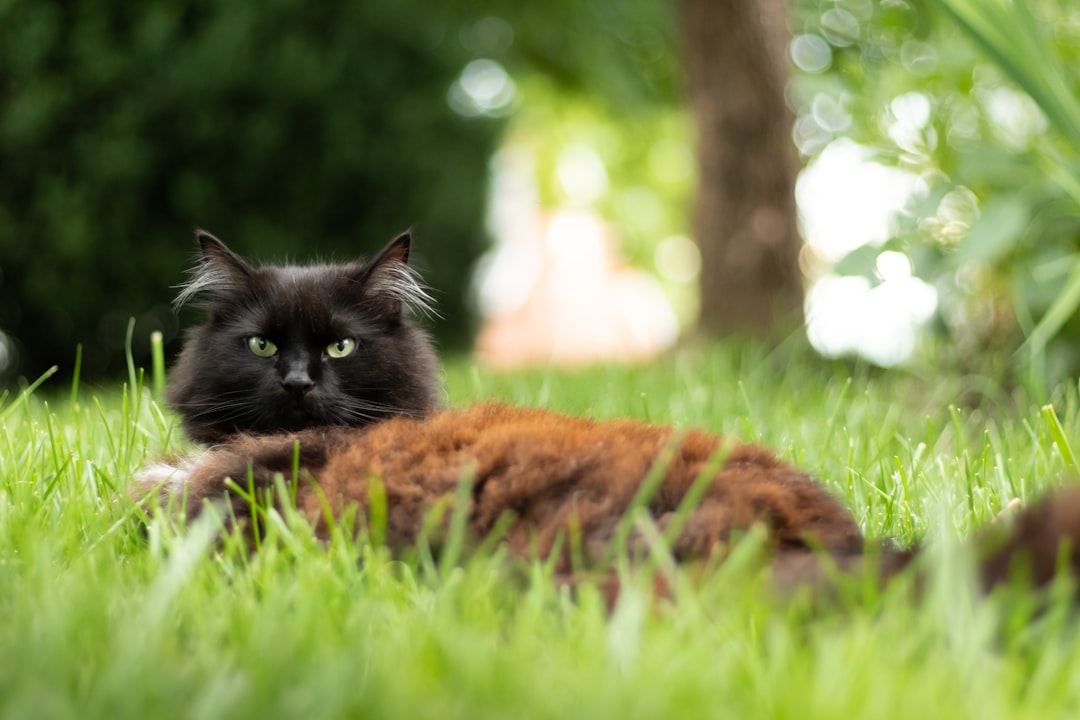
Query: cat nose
point(297, 382)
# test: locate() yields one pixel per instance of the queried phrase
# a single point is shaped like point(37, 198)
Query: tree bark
point(745, 220)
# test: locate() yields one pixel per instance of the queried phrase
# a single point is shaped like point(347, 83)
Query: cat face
point(288, 347)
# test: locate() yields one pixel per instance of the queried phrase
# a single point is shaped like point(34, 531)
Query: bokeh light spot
point(678, 259)
point(483, 88)
point(811, 53)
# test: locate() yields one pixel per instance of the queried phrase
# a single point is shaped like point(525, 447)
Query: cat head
point(286, 347)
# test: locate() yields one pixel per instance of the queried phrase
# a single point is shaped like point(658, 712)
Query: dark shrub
point(287, 128)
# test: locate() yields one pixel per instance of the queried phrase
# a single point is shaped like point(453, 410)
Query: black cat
point(324, 357)
point(287, 347)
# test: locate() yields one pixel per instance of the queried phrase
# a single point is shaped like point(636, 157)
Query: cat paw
point(167, 478)
point(1008, 512)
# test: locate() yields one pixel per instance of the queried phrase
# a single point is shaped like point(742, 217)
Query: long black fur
point(220, 387)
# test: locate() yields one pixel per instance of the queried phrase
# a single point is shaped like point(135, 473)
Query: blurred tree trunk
point(744, 218)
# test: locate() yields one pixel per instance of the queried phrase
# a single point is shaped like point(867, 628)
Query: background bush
point(286, 128)
point(996, 228)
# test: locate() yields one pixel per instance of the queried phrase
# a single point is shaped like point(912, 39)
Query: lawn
point(99, 619)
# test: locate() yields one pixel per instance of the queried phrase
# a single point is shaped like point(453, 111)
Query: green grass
point(98, 620)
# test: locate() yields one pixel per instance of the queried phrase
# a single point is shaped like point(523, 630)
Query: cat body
point(315, 379)
point(552, 477)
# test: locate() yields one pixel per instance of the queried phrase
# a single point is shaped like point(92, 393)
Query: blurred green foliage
point(288, 129)
point(996, 227)
point(622, 53)
point(600, 81)
point(647, 177)
point(321, 130)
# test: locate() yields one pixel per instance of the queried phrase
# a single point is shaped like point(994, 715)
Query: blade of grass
point(459, 518)
point(157, 355)
point(76, 374)
point(694, 495)
point(617, 548)
point(26, 393)
point(1061, 439)
point(377, 511)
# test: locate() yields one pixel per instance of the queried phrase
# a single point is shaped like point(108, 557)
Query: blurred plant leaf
point(859, 261)
point(1010, 36)
point(996, 232)
point(1063, 308)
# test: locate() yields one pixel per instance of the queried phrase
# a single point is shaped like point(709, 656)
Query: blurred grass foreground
point(99, 619)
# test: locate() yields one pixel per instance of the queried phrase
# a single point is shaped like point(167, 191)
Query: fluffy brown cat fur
point(547, 471)
point(552, 484)
point(556, 477)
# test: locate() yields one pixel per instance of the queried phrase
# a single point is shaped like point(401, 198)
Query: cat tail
point(1033, 546)
point(1029, 548)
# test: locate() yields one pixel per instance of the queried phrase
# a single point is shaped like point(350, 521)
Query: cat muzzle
point(297, 383)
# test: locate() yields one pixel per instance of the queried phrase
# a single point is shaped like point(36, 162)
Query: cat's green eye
point(262, 347)
point(341, 348)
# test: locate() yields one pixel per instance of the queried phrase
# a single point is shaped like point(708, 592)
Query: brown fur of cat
point(551, 475)
point(547, 470)
point(556, 476)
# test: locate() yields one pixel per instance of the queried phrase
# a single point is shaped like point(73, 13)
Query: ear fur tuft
point(390, 279)
point(219, 271)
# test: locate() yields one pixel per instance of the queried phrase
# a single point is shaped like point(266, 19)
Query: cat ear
point(397, 249)
point(391, 286)
point(220, 271)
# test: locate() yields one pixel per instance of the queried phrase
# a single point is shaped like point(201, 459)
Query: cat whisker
point(209, 405)
point(219, 396)
point(368, 411)
point(353, 417)
point(374, 406)
point(226, 412)
point(356, 399)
